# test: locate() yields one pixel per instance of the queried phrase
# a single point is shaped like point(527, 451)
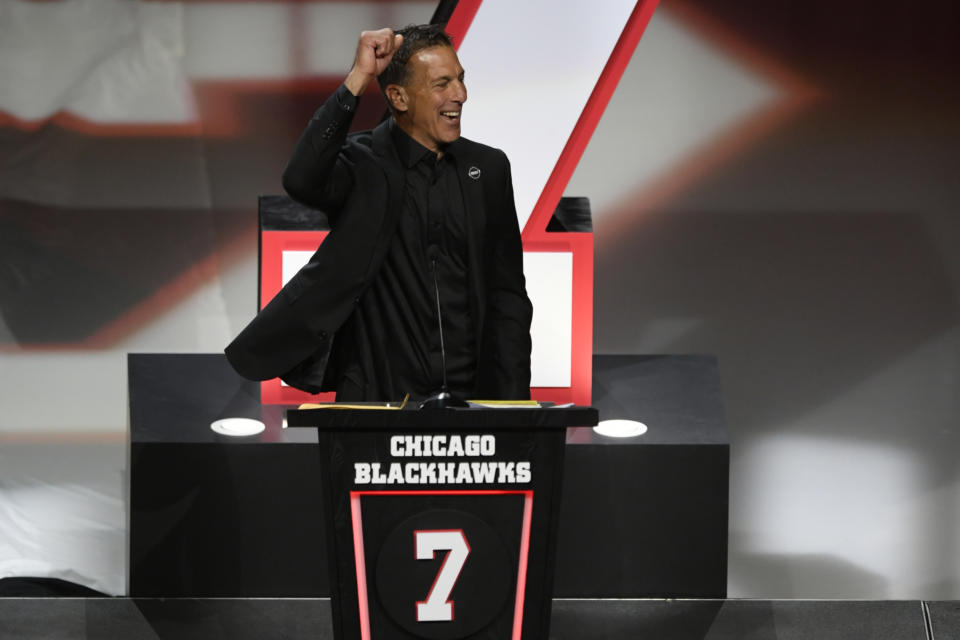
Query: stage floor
point(236, 619)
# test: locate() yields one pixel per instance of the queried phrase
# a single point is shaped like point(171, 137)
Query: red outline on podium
point(360, 558)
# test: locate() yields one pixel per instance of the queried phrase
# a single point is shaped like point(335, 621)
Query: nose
point(460, 91)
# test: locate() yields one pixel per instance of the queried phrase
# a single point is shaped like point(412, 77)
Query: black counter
point(212, 516)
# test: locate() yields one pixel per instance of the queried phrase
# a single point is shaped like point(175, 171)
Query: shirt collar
point(410, 151)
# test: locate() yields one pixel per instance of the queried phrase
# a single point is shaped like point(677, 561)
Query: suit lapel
point(385, 150)
point(471, 178)
point(383, 147)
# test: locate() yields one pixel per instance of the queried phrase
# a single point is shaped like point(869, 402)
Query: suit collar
point(409, 150)
point(393, 171)
point(383, 143)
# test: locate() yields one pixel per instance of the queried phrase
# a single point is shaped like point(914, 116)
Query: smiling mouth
point(451, 116)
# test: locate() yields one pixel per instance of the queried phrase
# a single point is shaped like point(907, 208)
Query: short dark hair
point(416, 37)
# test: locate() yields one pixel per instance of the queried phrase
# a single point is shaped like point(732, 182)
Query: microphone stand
point(443, 399)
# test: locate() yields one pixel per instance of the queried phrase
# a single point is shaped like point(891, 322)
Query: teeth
point(451, 114)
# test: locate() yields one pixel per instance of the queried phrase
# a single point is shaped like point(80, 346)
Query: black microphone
point(443, 399)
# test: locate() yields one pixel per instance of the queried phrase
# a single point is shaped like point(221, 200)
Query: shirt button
point(323, 334)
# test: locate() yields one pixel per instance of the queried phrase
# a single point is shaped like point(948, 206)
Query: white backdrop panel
point(528, 89)
point(550, 287)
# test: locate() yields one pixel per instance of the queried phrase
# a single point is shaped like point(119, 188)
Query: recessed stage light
point(238, 427)
point(620, 428)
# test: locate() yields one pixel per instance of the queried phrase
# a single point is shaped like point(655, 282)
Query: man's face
point(435, 97)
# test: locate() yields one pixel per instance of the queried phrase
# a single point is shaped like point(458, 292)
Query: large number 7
point(437, 607)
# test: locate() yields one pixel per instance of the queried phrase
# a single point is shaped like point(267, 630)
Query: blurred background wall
point(773, 182)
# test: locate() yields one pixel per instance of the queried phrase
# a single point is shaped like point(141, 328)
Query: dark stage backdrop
point(774, 182)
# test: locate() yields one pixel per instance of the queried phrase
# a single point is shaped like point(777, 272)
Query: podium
point(441, 524)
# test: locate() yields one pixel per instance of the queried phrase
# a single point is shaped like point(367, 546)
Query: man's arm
point(314, 174)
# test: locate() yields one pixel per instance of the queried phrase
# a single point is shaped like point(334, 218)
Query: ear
point(397, 97)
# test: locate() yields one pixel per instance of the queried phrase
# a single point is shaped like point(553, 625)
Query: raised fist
point(374, 52)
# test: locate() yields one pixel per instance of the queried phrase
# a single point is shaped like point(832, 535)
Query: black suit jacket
point(358, 181)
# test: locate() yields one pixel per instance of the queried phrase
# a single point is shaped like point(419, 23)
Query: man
point(420, 219)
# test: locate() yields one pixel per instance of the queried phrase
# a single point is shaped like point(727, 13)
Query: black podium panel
point(234, 518)
point(441, 524)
